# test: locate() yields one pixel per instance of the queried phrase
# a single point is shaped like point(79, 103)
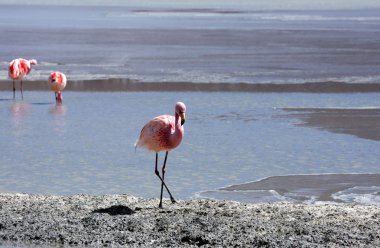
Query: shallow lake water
point(193, 44)
point(86, 145)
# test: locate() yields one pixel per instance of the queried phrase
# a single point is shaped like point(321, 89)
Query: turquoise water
point(87, 144)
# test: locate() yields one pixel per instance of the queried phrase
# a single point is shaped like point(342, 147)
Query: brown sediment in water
point(135, 85)
point(363, 123)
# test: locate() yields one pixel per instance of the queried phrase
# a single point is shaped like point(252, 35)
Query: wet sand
point(307, 187)
point(363, 123)
point(134, 85)
point(120, 220)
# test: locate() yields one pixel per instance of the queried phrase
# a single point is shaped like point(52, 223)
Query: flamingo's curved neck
point(176, 137)
point(177, 123)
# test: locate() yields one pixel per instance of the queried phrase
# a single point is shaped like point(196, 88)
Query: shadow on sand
point(115, 210)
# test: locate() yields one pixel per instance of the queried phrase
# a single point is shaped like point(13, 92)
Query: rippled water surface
point(87, 144)
point(193, 44)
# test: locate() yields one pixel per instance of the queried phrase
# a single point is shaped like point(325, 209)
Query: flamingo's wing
point(25, 67)
point(14, 69)
point(155, 134)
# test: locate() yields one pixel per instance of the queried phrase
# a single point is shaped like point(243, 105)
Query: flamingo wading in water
point(18, 69)
point(57, 82)
point(163, 133)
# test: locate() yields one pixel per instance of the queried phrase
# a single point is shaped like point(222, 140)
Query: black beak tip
point(182, 122)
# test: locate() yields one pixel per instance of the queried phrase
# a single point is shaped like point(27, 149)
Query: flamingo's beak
point(183, 118)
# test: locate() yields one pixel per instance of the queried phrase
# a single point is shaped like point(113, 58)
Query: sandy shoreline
point(320, 187)
point(120, 220)
point(110, 85)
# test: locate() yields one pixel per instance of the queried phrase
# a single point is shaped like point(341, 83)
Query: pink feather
point(164, 132)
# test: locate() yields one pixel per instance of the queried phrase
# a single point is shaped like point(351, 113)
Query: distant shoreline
point(110, 85)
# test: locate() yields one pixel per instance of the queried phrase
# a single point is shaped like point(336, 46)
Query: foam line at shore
point(310, 188)
point(303, 187)
point(134, 85)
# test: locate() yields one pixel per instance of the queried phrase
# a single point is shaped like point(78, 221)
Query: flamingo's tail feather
point(33, 61)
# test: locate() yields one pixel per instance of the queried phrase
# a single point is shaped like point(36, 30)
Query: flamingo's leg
point(163, 178)
point(162, 181)
point(14, 90)
point(22, 95)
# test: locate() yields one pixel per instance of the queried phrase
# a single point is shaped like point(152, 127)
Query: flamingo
point(57, 82)
point(163, 133)
point(18, 69)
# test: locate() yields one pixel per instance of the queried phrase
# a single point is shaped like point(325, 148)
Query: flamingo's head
point(59, 97)
point(180, 109)
point(53, 77)
point(33, 62)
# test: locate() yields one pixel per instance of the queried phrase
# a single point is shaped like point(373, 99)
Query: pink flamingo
point(18, 69)
point(163, 133)
point(57, 82)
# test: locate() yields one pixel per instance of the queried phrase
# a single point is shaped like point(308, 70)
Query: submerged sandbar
point(117, 84)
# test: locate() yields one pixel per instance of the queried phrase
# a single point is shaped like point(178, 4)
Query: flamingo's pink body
point(163, 133)
point(18, 69)
point(57, 82)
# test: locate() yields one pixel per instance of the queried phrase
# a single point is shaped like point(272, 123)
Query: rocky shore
point(121, 220)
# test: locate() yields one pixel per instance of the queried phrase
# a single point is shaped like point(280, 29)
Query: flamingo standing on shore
point(18, 69)
point(57, 82)
point(163, 133)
